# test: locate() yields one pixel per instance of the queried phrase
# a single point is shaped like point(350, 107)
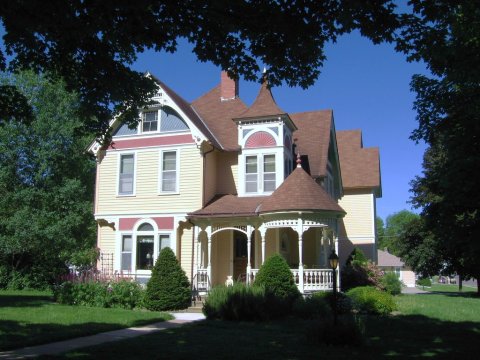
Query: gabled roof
point(218, 115)
point(384, 258)
point(360, 166)
point(313, 138)
point(299, 192)
point(190, 112)
point(264, 105)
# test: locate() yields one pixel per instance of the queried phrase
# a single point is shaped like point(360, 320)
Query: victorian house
point(226, 185)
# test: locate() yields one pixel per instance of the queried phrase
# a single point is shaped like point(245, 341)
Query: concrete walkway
point(413, 290)
point(116, 335)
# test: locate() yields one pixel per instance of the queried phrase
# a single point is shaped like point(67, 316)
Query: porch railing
point(201, 282)
point(313, 279)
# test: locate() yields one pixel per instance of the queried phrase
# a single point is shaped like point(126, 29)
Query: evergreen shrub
point(367, 299)
point(168, 287)
point(281, 291)
point(391, 283)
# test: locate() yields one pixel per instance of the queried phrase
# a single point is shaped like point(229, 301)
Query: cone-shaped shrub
point(276, 277)
point(168, 288)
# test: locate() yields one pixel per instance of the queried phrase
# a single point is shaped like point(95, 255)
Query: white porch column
point(249, 250)
point(300, 253)
point(263, 232)
point(196, 264)
point(209, 253)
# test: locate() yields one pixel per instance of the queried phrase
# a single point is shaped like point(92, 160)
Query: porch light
point(333, 258)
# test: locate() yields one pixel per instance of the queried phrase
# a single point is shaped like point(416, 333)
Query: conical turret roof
point(264, 105)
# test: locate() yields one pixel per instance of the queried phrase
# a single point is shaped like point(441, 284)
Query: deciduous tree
point(91, 44)
point(46, 185)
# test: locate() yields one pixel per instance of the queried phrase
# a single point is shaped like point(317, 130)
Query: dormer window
point(259, 179)
point(149, 121)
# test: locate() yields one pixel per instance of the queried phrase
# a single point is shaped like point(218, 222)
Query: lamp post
point(333, 259)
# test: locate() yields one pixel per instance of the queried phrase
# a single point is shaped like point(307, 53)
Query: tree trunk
point(460, 280)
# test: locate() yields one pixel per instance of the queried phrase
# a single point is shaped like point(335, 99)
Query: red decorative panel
point(260, 139)
point(126, 224)
point(164, 223)
point(151, 141)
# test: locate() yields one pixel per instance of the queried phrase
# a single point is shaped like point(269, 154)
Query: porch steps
point(197, 308)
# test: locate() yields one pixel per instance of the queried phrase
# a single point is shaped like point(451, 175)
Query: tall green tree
point(46, 185)
point(380, 231)
point(395, 226)
point(91, 44)
point(446, 36)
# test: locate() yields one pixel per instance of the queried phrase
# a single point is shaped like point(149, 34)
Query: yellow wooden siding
point(147, 198)
point(210, 176)
point(106, 239)
point(227, 173)
point(185, 251)
point(358, 221)
point(221, 256)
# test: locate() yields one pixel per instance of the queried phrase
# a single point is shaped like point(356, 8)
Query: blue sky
point(366, 85)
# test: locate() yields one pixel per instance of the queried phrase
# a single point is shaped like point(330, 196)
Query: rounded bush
point(168, 288)
point(391, 283)
point(367, 299)
point(276, 277)
point(424, 282)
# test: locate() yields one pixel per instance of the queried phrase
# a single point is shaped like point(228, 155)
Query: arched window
point(145, 247)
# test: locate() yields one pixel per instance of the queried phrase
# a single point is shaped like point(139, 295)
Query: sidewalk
point(116, 335)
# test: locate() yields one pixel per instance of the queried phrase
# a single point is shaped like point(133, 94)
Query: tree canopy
point(446, 36)
point(91, 44)
point(45, 186)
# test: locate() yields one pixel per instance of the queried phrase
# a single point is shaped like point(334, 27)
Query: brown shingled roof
point(299, 192)
point(230, 205)
point(218, 114)
point(360, 166)
point(264, 105)
point(313, 138)
point(384, 258)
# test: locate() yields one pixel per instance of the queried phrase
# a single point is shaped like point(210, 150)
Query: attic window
point(149, 121)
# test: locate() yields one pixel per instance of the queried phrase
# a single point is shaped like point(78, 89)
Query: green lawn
point(431, 325)
point(29, 318)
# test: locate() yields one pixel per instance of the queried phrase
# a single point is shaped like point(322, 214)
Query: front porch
point(223, 251)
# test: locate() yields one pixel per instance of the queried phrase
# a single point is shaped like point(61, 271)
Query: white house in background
point(392, 263)
point(226, 185)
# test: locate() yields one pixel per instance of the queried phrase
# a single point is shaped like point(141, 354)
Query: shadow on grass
point(388, 337)
point(14, 334)
point(25, 300)
point(466, 294)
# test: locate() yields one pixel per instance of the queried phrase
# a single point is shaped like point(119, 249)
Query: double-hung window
point(251, 174)
point(269, 173)
point(149, 121)
point(168, 172)
point(126, 260)
point(126, 175)
point(260, 178)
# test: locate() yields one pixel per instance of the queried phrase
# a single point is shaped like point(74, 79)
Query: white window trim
point(158, 121)
point(260, 153)
point(119, 163)
point(135, 234)
point(160, 172)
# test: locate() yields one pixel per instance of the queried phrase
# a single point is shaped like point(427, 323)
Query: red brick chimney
point(228, 87)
